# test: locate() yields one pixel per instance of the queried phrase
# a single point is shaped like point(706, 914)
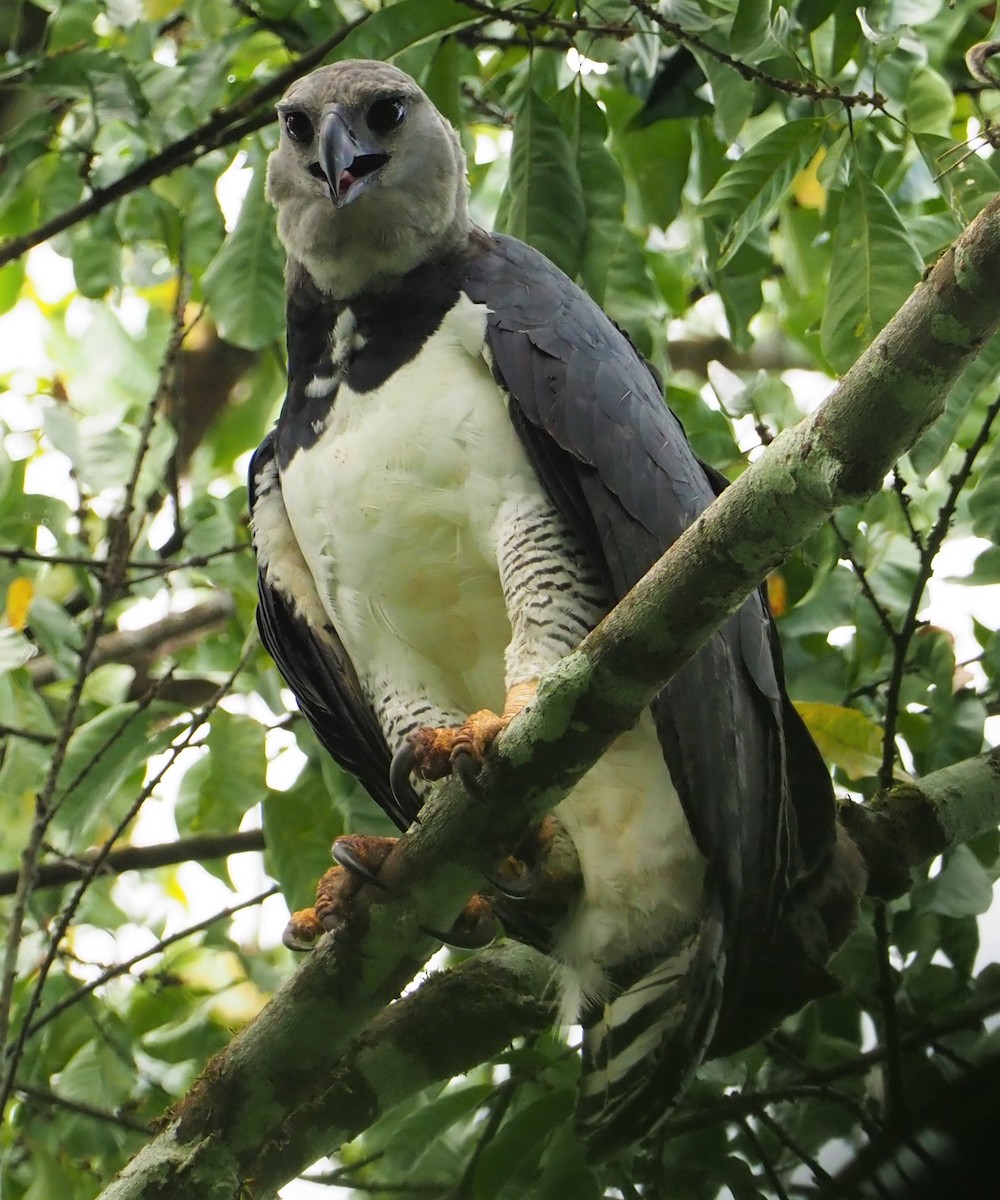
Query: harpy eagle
point(471, 467)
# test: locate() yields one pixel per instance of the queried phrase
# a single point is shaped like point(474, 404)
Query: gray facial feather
point(416, 208)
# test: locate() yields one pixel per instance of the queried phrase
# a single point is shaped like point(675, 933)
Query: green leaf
point(748, 193)
point(740, 285)
point(732, 97)
point(930, 103)
point(97, 255)
point(11, 282)
point(102, 755)
point(967, 181)
point(543, 201)
point(874, 267)
point(299, 827)
point(845, 737)
point(984, 503)
point(243, 283)
point(602, 182)
point(398, 26)
point(655, 158)
point(58, 635)
point(96, 1075)
point(15, 650)
point(565, 1171)
point(751, 28)
point(414, 1137)
point(101, 449)
point(941, 436)
point(228, 780)
point(518, 1145)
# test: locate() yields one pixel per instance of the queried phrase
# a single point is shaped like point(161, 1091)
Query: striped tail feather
point(642, 1052)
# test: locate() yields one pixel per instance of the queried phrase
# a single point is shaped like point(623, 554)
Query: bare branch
point(49, 1099)
point(140, 858)
point(166, 636)
point(222, 129)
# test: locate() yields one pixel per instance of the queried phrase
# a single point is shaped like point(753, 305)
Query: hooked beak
point(345, 162)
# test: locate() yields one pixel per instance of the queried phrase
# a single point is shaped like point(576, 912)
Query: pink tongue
point(345, 181)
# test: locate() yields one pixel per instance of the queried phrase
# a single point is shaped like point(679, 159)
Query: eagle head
point(368, 178)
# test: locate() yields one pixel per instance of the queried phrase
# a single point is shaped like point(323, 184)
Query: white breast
point(395, 509)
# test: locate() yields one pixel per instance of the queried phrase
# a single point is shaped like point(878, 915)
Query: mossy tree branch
point(231, 1129)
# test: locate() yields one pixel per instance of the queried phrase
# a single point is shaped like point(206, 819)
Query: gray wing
point(306, 649)
point(617, 463)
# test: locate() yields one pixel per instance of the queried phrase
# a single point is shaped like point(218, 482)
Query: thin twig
point(731, 1107)
point(16, 554)
point(895, 1097)
point(222, 129)
point(125, 968)
point(503, 1097)
point(141, 858)
point(112, 586)
point(794, 1146)
point(847, 552)
point(15, 1050)
point(85, 1110)
point(934, 541)
point(770, 1170)
point(899, 487)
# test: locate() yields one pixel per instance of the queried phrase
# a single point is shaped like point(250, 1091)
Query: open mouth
point(359, 167)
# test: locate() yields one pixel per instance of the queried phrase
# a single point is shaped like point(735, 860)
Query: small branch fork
point(230, 125)
point(139, 858)
point(222, 129)
point(529, 20)
point(51, 794)
point(927, 545)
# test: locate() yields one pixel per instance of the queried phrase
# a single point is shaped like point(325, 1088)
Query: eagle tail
point(641, 1054)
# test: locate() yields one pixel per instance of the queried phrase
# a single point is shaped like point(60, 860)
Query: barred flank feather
point(639, 1058)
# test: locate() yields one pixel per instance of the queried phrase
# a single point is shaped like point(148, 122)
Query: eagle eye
point(385, 114)
point(298, 126)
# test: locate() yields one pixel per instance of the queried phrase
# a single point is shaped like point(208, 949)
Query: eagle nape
point(472, 466)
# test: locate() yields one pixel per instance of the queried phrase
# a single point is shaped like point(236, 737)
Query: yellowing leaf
point(20, 593)
point(777, 593)
point(845, 737)
point(806, 187)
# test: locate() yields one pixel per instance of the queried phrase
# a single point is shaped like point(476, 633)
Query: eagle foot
point(358, 857)
point(543, 870)
point(433, 752)
point(475, 927)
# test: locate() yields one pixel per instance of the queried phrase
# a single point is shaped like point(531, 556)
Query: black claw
point(517, 889)
point(290, 939)
point(466, 766)
point(346, 857)
point(331, 922)
point(453, 940)
point(400, 769)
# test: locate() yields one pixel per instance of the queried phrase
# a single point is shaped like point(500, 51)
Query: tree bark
point(227, 1132)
